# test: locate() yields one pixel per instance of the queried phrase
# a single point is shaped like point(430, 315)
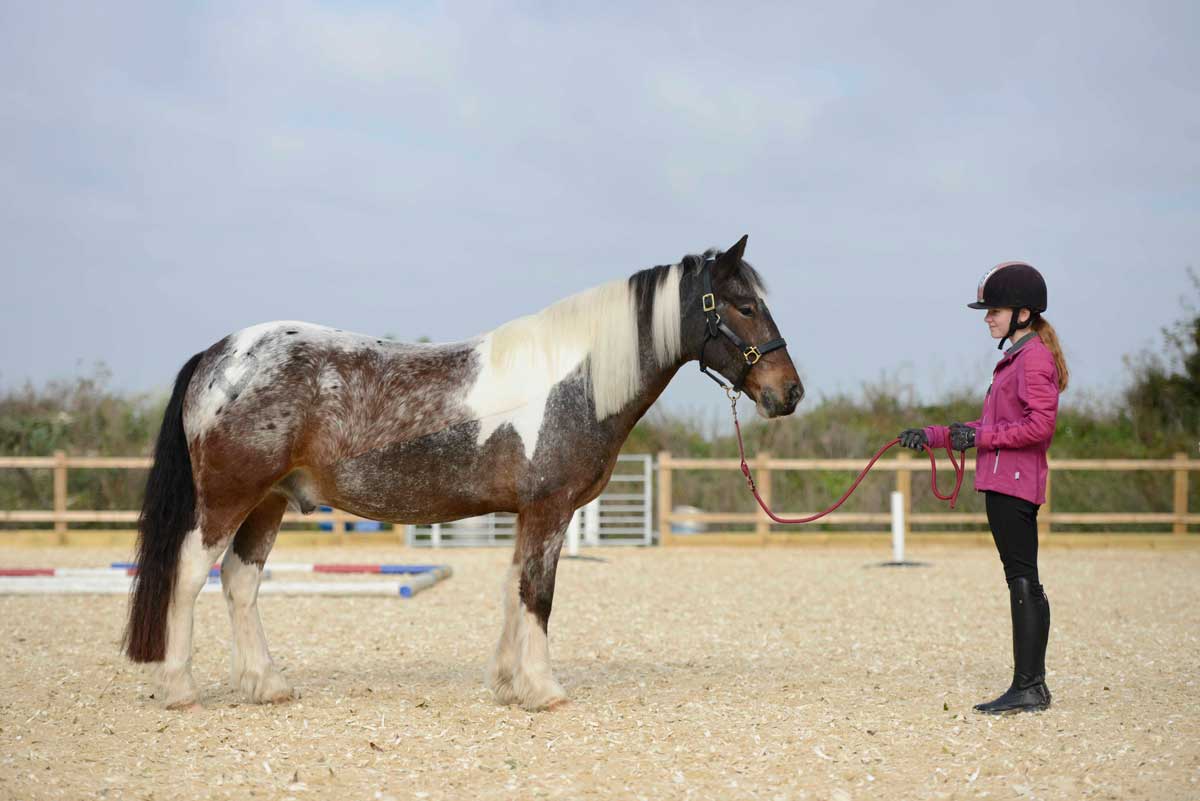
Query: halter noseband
point(714, 326)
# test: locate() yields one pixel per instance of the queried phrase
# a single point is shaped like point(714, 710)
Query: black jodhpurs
point(1014, 529)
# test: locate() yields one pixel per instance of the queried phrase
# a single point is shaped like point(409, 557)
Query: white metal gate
point(622, 515)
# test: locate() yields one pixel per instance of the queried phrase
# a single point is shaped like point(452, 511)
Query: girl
point(1012, 437)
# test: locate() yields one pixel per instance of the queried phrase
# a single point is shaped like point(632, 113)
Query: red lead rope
point(959, 469)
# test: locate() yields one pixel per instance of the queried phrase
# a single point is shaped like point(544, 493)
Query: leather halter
point(714, 327)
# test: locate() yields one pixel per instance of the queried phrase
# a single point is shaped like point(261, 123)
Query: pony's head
point(728, 327)
point(708, 308)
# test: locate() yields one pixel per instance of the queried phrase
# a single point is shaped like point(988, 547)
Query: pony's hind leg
point(520, 672)
point(252, 671)
point(196, 556)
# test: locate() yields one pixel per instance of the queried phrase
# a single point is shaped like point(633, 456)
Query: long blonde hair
point(1049, 337)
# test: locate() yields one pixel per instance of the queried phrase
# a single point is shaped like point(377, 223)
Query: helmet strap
point(1014, 326)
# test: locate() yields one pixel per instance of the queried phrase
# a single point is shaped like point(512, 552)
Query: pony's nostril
point(795, 393)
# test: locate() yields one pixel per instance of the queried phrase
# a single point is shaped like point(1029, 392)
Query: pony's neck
point(655, 379)
point(655, 375)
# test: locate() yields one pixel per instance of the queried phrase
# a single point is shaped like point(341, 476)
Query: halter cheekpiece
point(714, 327)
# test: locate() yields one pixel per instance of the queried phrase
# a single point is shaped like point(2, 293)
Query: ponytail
point(1049, 338)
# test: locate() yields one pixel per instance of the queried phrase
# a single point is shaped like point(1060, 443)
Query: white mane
point(600, 325)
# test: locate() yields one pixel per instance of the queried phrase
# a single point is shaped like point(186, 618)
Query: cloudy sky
point(174, 171)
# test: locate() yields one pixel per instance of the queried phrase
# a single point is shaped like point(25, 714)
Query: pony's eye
point(746, 310)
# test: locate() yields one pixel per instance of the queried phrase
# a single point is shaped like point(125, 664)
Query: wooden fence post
point(1181, 495)
point(60, 496)
point(664, 498)
point(340, 525)
point(763, 481)
point(904, 487)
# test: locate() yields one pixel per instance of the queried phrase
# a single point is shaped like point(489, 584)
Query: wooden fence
point(61, 516)
point(765, 531)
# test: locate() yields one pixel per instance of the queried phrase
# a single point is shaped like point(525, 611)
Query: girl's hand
point(962, 436)
point(914, 438)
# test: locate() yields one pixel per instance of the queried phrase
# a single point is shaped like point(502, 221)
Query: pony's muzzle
point(780, 404)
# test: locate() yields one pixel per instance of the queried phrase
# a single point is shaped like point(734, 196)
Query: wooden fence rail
point(764, 530)
point(61, 516)
point(767, 532)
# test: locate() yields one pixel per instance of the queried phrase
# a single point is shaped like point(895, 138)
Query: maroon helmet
point(1011, 285)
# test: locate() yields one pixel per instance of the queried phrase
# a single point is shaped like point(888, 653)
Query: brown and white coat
point(528, 418)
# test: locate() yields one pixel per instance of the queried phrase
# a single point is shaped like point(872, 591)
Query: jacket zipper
point(996, 465)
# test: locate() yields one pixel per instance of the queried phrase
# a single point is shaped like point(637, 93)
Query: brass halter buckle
point(752, 355)
point(709, 302)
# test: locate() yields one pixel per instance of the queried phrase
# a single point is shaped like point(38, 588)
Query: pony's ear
point(731, 260)
point(734, 254)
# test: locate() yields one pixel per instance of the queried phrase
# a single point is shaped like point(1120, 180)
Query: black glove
point(962, 436)
point(914, 438)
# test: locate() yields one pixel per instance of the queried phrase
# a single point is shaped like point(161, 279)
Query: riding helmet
point(1011, 285)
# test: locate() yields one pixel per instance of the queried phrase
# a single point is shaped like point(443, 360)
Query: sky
point(173, 171)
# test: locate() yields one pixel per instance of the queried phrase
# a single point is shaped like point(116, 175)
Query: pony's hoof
point(178, 691)
point(274, 691)
point(529, 693)
point(191, 707)
point(503, 692)
point(561, 703)
point(266, 688)
point(544, 699)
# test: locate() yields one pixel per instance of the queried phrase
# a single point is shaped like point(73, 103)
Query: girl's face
point(998, 321)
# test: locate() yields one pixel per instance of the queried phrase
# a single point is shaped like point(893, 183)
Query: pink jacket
point(1017, 426)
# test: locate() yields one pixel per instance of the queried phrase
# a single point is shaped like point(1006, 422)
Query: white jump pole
point(573, 535)
point(119, 585)
point(591, 523)
point(897, 528)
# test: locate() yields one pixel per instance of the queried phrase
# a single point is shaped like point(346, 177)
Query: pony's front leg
point(520, 669)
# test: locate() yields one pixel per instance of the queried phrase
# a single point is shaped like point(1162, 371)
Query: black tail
point(168, 514)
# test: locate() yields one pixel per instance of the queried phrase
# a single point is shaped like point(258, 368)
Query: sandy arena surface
point(693, 673)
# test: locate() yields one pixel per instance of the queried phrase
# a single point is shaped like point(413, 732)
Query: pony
point(528, 418)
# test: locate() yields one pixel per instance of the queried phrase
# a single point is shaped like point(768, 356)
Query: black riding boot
point(1031, 630)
